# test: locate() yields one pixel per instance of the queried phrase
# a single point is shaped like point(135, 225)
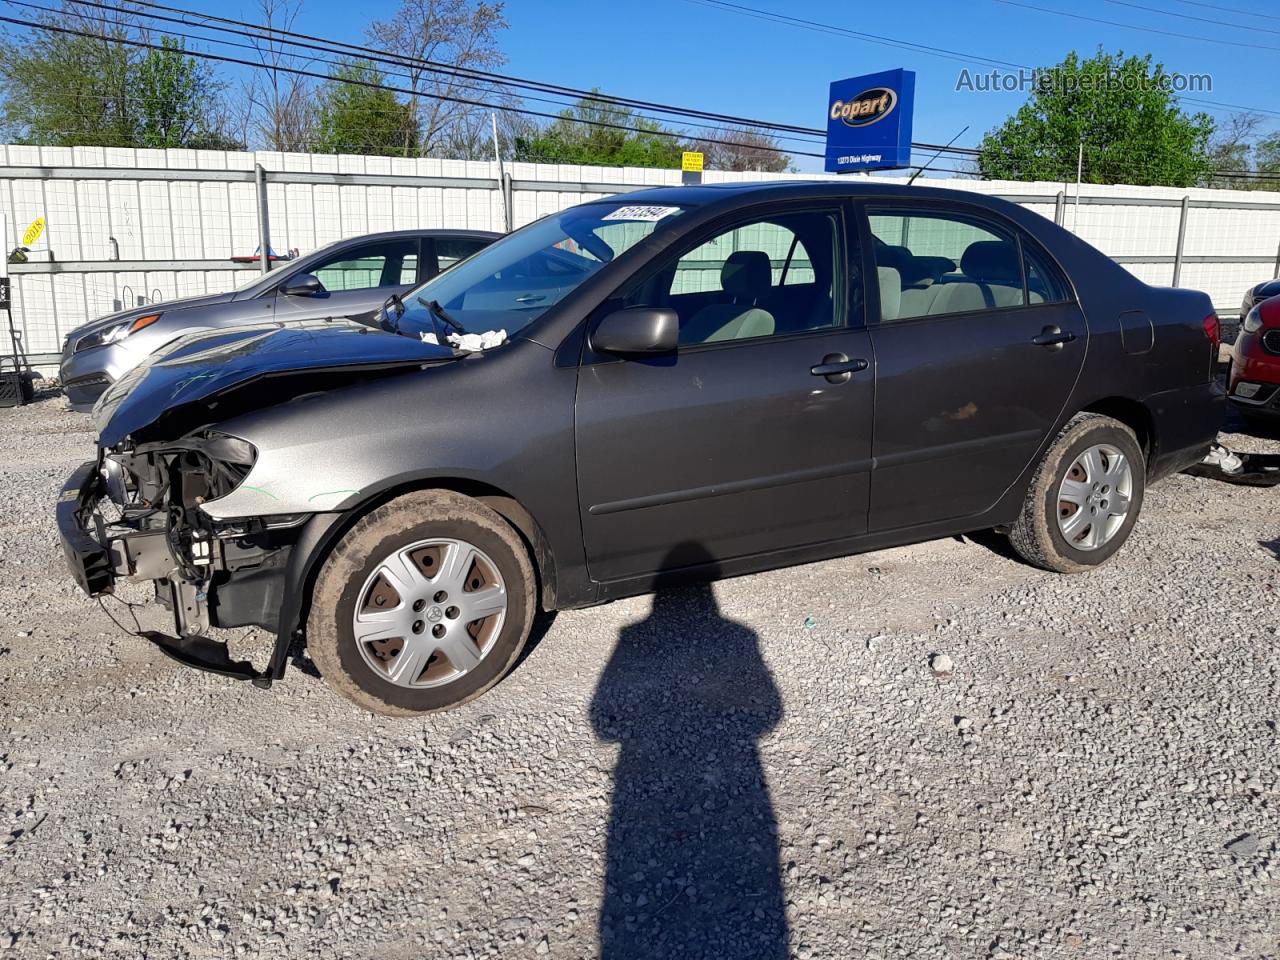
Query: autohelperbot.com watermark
point(1053, 80)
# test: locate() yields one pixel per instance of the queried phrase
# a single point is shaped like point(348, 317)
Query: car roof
point(404, 234)
point(754, 190)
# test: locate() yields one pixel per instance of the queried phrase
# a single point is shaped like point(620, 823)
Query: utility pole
point(502, 176)
point(264, 232)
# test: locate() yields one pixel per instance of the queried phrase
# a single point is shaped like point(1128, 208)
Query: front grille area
point(1271, 341)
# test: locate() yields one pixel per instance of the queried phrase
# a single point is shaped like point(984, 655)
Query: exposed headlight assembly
point(216, 464)
point(1253, 322)
point(116, 332)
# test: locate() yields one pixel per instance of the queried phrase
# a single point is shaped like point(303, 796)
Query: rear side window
point(938, 264)
point(449, 250)
point(1044, 284)
point(409, 270)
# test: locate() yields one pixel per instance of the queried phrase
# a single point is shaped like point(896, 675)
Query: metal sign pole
point(264, 229)
point(18, 379)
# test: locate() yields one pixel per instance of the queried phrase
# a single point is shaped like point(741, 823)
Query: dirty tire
point(420, 515)
point(1036, 535)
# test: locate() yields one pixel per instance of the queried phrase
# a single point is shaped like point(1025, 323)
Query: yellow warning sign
point(33, 232)
point(691, 161)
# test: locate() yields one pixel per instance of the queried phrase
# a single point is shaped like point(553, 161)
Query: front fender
point(497, 426)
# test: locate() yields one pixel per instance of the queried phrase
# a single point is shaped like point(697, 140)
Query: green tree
point(1267, 154)
point(601, 134)
point(169, 89)
point(69, 90)
point(355, 117)
point(1124, 112)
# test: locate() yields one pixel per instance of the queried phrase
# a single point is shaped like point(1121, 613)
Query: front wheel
point(1084, 498)
point(423, 605)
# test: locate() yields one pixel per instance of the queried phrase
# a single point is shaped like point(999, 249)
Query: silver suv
point(350, 278)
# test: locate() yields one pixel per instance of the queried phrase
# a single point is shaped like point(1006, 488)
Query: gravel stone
point(941, 665)
point(696, 776)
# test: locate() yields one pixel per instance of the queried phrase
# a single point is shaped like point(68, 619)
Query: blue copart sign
point(869, 122)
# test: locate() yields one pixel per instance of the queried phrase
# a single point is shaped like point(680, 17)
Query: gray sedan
point(350, 278)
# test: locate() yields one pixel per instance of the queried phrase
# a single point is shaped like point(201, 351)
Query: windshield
point(510, 284)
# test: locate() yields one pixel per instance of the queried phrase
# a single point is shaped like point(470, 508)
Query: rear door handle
point(530, 298)
point(1053, 336)
point(837, 367)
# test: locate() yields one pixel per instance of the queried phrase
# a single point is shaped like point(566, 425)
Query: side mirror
point(303, 285)
point(637, 330)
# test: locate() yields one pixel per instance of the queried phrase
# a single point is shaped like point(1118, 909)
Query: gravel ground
point(781, 765)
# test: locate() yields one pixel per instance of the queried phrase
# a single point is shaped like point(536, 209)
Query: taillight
point(1213, 330)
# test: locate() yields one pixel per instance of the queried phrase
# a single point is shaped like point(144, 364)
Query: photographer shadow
point(693, 866)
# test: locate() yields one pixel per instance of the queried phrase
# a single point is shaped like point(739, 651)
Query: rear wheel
point(1084, 498)
point(424, 605)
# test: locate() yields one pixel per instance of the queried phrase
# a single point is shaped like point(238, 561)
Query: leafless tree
point(449, 34)
point(470, 135)
point(279, 109)
point(742, 149)
point(1232, 144)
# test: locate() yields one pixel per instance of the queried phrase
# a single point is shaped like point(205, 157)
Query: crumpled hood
point(134, 312)
point(197, 367)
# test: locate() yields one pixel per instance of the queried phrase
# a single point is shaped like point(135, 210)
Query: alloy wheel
point(1094, 497)
point(430, 612)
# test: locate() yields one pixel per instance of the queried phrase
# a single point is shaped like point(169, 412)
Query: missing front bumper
point(96, 561)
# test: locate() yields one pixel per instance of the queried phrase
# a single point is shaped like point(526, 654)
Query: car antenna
point(936, 156)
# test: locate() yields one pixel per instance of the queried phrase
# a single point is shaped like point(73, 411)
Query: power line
point(307, 41)
point(868, 37)
point(489, 76)
point(1187, 16)
point(375, 85)
point(1134, 26)
point(814, 25)
point(1214, 6)
point(205, 55)
point(340, 62)
point(432, 66)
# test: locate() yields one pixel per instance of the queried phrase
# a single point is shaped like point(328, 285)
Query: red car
point(1253, 379)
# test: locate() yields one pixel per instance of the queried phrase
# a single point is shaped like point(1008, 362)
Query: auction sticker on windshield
point(648, 214)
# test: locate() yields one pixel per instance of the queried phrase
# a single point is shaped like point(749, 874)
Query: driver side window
point(778, 275)
point(384, 264)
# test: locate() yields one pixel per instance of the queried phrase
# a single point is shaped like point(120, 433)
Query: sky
point(687, 53)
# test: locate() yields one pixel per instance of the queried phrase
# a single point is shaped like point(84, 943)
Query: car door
point(978, 343)
point(357, 280)
point(740, 441)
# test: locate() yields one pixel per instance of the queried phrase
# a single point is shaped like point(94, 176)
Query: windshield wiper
point(437, 311)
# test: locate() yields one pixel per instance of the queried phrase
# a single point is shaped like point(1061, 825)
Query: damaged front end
point(138, 511)
point(135, 514)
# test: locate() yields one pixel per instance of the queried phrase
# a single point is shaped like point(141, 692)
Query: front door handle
point(530, 298)
point(1053, 336)
point(837, 367)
